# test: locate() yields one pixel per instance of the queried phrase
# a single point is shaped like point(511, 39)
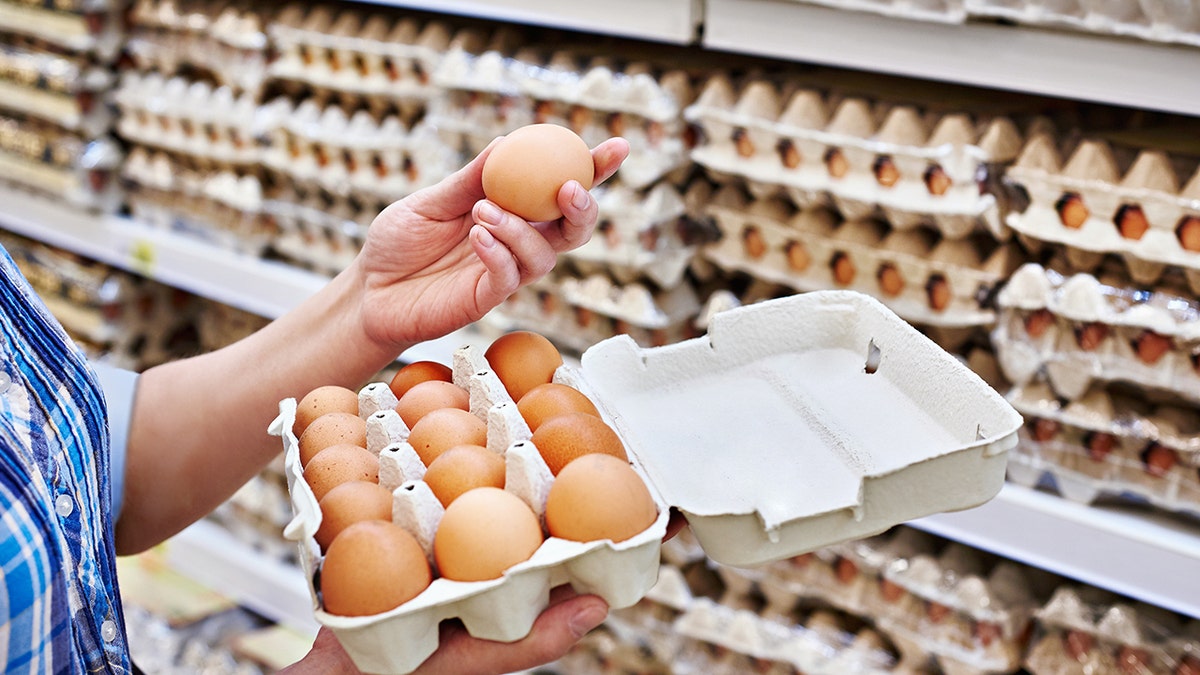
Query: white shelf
point(673, 21)
point(1144, 555)
point(1059, 63)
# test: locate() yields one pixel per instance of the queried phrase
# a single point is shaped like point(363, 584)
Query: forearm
point(199, 425)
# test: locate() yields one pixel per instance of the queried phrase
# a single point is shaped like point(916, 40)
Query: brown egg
point(753, 243)
point(843, 269)
point(483, 533)
point(462, 468)
point(338, 464)
point(443, 429)
point(789, 155)
point(425, 397)
point(349, 503)
point(372, 567)
point(1072, 212)
point(417, 372)
point(936, 180)
point(1151, 346)
point(1131, 221)
point(551, 400)
point(331, 429)
point(1091, 335)
point(836, 163)
point(1038, 322)
point(886, 173)
point(937, 290)
point(322, 400)
point(798, 258)
point(522, 360)
point(891, 283)
point(569, 436)
point(526, 169)
point(1188, 233)
point(599, 497)
point(1078, 644)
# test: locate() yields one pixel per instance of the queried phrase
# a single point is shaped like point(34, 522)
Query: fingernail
point(485, 237)
point(586, 619)
point(490, 213)
point(581, 198)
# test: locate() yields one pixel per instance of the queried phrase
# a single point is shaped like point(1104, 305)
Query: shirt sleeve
point(119, 387)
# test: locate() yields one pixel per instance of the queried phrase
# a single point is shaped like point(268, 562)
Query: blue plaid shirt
point(60, 608)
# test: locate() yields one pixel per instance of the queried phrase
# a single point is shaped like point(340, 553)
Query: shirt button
point(5, 381)
point(108, 630)
point(64, 505)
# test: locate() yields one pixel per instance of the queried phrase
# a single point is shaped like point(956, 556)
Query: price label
point(142, 257)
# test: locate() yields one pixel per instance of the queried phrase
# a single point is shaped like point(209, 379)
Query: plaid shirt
point(60, 607)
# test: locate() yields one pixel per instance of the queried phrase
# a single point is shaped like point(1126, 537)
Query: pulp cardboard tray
point(794, 424)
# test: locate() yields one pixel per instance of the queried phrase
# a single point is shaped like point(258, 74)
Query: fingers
point(580, 212)
point(554, 632)
point(512, 252)
point(608, 157)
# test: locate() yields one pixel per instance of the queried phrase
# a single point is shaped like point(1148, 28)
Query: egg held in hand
point(524, 172)
point(371, 567)
point(599, 497)
point(483, 533)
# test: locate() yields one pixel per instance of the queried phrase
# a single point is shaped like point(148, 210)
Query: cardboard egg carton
point(355, 153)
point(1109, 443)
point(1098, 198)
point(1155, 20)
point(80, 26)
point(866, 158)
point(491, 93)
point(1086, 630)
point(811, 249)
point(51, 161)
point(1075, 330)
point(225, 39)
point(60, 88)
point(316, 230)
point(221, 207)
point(374, 54)
point(191, 117)
point(797, 362)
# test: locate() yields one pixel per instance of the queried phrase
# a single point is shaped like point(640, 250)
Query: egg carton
point(1075, 330)
point(939, 426)
point(1086, 630)
point(1107, 199)
point(52, 162)
point(824, 644)
point(492, 93)
point(913, 167)
point(354, 154)
point(812, 249)
point(81, 26)
point(1108, 444)
point(59, 88)
point(1154, 20)
point(318, 231)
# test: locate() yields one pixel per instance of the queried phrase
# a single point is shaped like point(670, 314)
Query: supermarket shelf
point(1060, 63)
point(673, 21)
point(210, 555)
point(1147, 556)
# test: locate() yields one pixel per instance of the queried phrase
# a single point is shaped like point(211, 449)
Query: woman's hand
point(444, 256)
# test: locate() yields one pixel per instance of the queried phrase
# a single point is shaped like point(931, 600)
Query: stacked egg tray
point(380, 61)
point(1111, 199)
point(941, 283)
point(1084, 630)
point(867, 158)
point(66, 89)
point(491, 93)
point(220, 40)
point(222, 207)
point(49, 160)
point(90, 28)
point(317, 230)
point(666, 407)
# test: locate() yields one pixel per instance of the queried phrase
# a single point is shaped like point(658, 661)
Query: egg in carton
point(1155, 20)
point(87, 28)
point(1078, 330)
point(914, 168)
point(1101, 201)
point(799, 362)
point(1108, 442)
point(1086, 630)
point(51, 161)
point(61, 88)
point(810, 249)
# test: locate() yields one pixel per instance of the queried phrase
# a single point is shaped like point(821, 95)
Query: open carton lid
point(801, 422)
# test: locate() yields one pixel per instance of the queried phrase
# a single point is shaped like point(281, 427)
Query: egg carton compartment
point(387, 58)
point(88, 28)
point(221, 207)
point(49, 160)
point(1087, 630)
point(194, 118)
point(317, 230)
point(812, 249)
point(1154, 20)
point(1111, 198)
point(913, 166)
point(1076, 330)
point(325, 147)
point(56, 86)
point(1108, 443)
point(224, 40)
point(493, 92)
